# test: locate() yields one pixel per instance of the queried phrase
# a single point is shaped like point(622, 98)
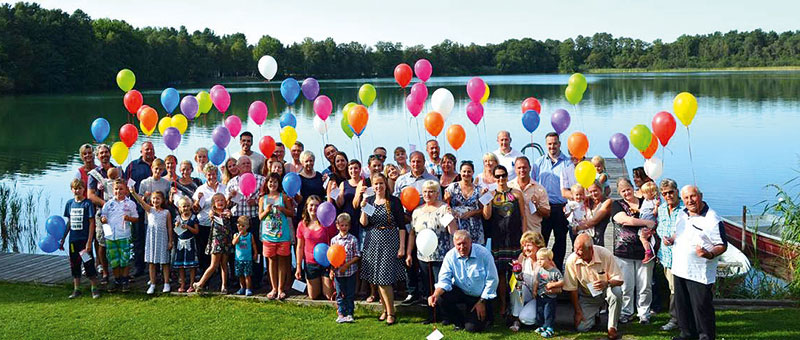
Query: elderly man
point(667, 218)
point(138, 170)
point(547, 171)
point(535, 195)
point(247, 205)
point(592, 277)
point(434, 162)
point(505, 155)
point(256, 159)
point(468, 277)
point(699, 239)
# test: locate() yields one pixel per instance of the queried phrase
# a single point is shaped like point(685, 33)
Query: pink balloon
point(234, 125)
point(258, 112)
point(247, 184)
point(323, 107)
point(220, 97)
point(420, 92)
point(475, 89)
point(475, 112)
point(414, 106)
point(423, 69)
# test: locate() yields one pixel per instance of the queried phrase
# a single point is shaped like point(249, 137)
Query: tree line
point(44, 50)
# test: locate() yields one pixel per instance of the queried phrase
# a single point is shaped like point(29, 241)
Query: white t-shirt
point(507, 160)
point(704, 230)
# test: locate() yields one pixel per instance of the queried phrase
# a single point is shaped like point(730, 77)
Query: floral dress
point(220, 239)
point(422, 220)
point(463, 204)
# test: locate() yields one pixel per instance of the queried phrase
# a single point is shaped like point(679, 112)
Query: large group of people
point(492, 227)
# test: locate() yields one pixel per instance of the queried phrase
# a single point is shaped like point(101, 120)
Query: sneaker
point(95, 293)
point(669, 326)
point(645, 320)
point(624, 319)
point(240, 291)
point(349, 319)
point(104, 280)
point(515, 326)
point(75, 293)
point(340, 319)
point(196, 287)
point(248, 292)
point(648, 257)
point(126, 287)
point(151, 290)
point(167, 288)
point(410, 299)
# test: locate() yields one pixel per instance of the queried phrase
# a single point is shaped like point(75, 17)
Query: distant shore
point(690, 70)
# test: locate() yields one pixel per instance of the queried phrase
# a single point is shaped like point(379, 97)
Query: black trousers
point(558, 225)
point(202, 243)
point(412, 283)
point(430, 275)
point(694, 303)
point(457, 308)
point(139, 233)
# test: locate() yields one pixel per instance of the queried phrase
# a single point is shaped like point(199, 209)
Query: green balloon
point(346, 126)
point(573, 95)
point(366, 94)
point(126, 79)
point(640, 137)
point(578, 81)
point(346, 109)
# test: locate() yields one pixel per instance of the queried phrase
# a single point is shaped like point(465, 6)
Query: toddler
point(602, 176)
point(246, 253)
point(548, 280)
point(575, 211)
point(648, 211)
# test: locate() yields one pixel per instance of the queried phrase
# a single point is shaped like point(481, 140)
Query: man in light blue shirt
point(668, 213)
point(467, 283)
point(548, 170)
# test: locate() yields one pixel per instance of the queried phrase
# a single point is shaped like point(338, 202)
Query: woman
point(202, 207)
point(487, 177)
point(310, 233)
point(183, 186)
point(462, 196)
point(339, 172)
point(229, 170)
point(449, 174)
point(384, 244)
point(392, 173)
point(171, 163)
point(640, 178)
point(435, 215)
point(629, 253)
point(310, 180)
point(523, 301)
point(87, 156)
point(598, 213)
point(401, 159)
point(297, 164)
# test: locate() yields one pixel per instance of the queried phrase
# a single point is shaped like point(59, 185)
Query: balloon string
point(274, 105)
point(430, 287)
point(485, 135)
point(691, 159)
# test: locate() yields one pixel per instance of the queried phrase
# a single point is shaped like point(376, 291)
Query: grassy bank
point(689, 70)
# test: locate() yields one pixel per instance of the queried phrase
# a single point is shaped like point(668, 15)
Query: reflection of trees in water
point(20, 214)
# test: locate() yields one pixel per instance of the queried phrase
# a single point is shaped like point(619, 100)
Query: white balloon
point(267, 66)
point(427, 241)
point(443, 102)
point(320, 125)
point(653, 167)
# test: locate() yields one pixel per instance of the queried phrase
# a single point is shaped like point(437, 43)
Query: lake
point(741, 137)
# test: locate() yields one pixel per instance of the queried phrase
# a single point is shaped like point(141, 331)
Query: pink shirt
point(312, 238)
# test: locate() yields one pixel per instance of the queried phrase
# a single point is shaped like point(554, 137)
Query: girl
point(159, 237)
point(186, 227)
point(274, 210)
point(311, 232)
point(392, 173)
point(602, 176)
point(219, 245)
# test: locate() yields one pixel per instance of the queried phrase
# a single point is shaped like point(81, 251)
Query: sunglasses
point(670, 192)
point(501, 176)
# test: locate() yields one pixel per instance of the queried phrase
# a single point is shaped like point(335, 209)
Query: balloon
point(288, 136)
point(139, 111)
point(149, 118)
point(247, 184)
point(189, 106)
point(423, 69)
point(100, 129)
point(358, 119)
point(216, 155)
point(267, 146)
point(132, 101)
point(48, 243)
point(640, 137)
point(288, 119)
point(475, 89)
point(456, 136)
point(577, 81)
point(291, 184)
point(320, 125)
point(267, 66)
point(685, 107)
point(55, 226)
point(573, 95)
point(145, 130)
point(442, 101)
point(427, 241)
point(336, 253)
point(410, 198)
point(164, 123)
point(204, 102)
point(560, 120)
point(290, 90)
point(366, 94)
point(170, 99)
point(172, 138)
point(128, 134)
point(180, 122)
point(220, 97)
point(619, 145)
point(126, 79)
point(663, 127)
point(653, 167)
point(310, 88)
point(345, 124)
point(475, 112)
point(119, 152)
point(420, 92)
point(257, 112)
point(651, 148)
point(485, 95)
point(413, 105)
point(234, 125)
point(531, 103)
point(402, 74)
point(326, 213)
point(321, 254)
point(585, 173)
point(530, 120)
point(221, 136)
point(434, 123)
point(578, 144)
point(323, 107)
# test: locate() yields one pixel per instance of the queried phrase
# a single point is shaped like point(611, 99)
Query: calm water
point(743, 137)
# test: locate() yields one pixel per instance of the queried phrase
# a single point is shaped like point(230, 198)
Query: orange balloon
point(139, 112)
point(434, 122)
point(336, 255)
point(358, 118)
point(578, 144)
point(456, 136)
point(149, 118)
point(410, 198)
point(651, 149)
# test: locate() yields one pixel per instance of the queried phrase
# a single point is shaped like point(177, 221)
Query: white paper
point(334, 193)
point(491, 187)
point(592, 290)
point(531, 207)
point(85, 256)
point(325, 183)
point(446, 219)
point(131, 183)
point(369, 192)
point(218, 220)
point(107, 230)
point(486, 198)
point(179, 230)
point(368, 209)
point(435, 335)
point(412, 148)
point(299, 286)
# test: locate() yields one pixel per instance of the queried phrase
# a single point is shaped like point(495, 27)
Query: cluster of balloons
point(55, 227)
point(530, 113)
point(576, 86)
point(354, 119)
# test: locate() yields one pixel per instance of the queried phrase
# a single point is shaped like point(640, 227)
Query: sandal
point(390, 320)
point(371, 299)
point(281, 296)
point(271, 295)
point(382, 317)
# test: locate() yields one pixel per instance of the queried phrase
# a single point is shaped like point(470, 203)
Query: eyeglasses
point(501, 176)
point(670, 192)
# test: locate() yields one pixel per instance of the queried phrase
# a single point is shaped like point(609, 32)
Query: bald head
point(692, 198)
point(583, 247)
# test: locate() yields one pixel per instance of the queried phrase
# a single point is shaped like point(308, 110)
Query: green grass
point(39, 312)
point(689, 69)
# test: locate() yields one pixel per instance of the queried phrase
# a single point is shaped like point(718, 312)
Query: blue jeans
point(345, 294)
point(546, 310)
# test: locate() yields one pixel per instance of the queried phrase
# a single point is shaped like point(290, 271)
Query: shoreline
point(694, 69)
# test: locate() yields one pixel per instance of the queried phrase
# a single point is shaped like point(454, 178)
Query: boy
point(118, 213)
point(246, 253)
point(547, 279)
point(80, 212)
point(344, 275)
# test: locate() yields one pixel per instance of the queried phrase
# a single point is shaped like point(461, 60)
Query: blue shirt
point(476, 274)
point(137, 170)
point(244, 248)
point(666, 228)
point(548, 174)
point(80, 215)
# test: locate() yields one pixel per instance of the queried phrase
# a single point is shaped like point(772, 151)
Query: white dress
point(155, 247)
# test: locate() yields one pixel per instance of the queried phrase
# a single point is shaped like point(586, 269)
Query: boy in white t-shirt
point(117, 214)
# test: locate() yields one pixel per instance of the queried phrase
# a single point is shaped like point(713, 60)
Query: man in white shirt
point(256, 159)
point(506, 155)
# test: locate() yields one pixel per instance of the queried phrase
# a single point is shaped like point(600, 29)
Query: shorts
point(314, 271)
point(243, 267)
point(277, 248)
point(75, 260)
point(118, 252)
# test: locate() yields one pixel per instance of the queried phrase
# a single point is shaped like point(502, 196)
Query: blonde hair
point(491, 156)
point(158, 162)
point(532, 237)
point(243, 221)
point(431, 184)
point(544, 253)
point(649, 188)
point(76, 183)
point(184, 199)
point(305, 154)
point(597, 160)
point(343, 218)
point(575, 187)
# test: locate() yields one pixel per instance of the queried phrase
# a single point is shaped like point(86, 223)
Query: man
point(593, 278)
point(505, 155)
point(280, 152)
point(256, 159)
point(667, 218)
point(138, 170)
point(380, 152)
point(96, 189)
point(330, 154)
point(699, 239)
point(535, 195)
point(434, 163)
point(468, 277)
point(547, 171)
point(247, 206)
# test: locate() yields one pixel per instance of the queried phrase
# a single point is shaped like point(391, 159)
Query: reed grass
point(20, 216)
point(787, 210)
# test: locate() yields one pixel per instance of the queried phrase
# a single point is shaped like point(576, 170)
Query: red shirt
point(312, 238)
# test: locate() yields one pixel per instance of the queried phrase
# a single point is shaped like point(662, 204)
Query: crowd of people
point(492, 226)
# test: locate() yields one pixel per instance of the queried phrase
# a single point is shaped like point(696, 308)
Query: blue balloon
point(288, 119)
point(291, 184)
point(100, 129)
point(170, 99)
point(530, 120)
point(290, 90)
point(321, 254)
point(48, 244)
point(216, 155)
point(55, 226)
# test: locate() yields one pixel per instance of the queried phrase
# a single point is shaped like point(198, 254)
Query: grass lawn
point(39, 312)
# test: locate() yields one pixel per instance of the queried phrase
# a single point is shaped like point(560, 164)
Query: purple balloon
point(619, 145)
point(326, 213)
point(221, 136)
point(172, 138)
point(560, 120)
point(310, 88)
point(189, 106)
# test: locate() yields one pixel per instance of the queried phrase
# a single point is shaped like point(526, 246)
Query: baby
point(575, 211)
point(111, 175)
point(648, 211)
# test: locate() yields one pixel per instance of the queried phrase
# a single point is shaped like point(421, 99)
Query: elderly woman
point(202, 206)
point(311, 182)
point(487, 177)
point(523, 300)
point(435, 215)
point(462, 196)
point(629, 253)
point(598, 214)
point(230, 169)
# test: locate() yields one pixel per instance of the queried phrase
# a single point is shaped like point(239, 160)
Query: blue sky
point(428, 22)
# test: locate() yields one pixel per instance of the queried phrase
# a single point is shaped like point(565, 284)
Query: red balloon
point(128, 134)
point(531, 103)
point(403, 74)
point(664, 126)
point(133, 101)
point(267, 146)
point(651, 149)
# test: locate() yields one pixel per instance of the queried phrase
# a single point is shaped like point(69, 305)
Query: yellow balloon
point(288, 135)
point(485, 94)
point(685, 107)
point(163, 124)
point(119, 152)
point(145, 130)
point(585, 173)
point(179, 122)
point(203, 102)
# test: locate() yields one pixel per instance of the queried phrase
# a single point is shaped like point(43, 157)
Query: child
point(80, 212)
point(648, 211)
point(548, 279)
point(186, 226)
point(112, 175)
point(274, 210)
point(575, 211)
point(219, 245)
point(245, 255)
point(155, 182)
point(344, 275)
point(107, 183)
point(158, 240)
point(602, 176)
point(118, 213)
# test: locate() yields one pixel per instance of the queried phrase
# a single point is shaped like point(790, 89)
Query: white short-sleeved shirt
point(205, 202)
point(705, 230)
point(115, 211)
point(507, 160)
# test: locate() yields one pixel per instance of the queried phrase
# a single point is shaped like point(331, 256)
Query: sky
point(429, 22)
